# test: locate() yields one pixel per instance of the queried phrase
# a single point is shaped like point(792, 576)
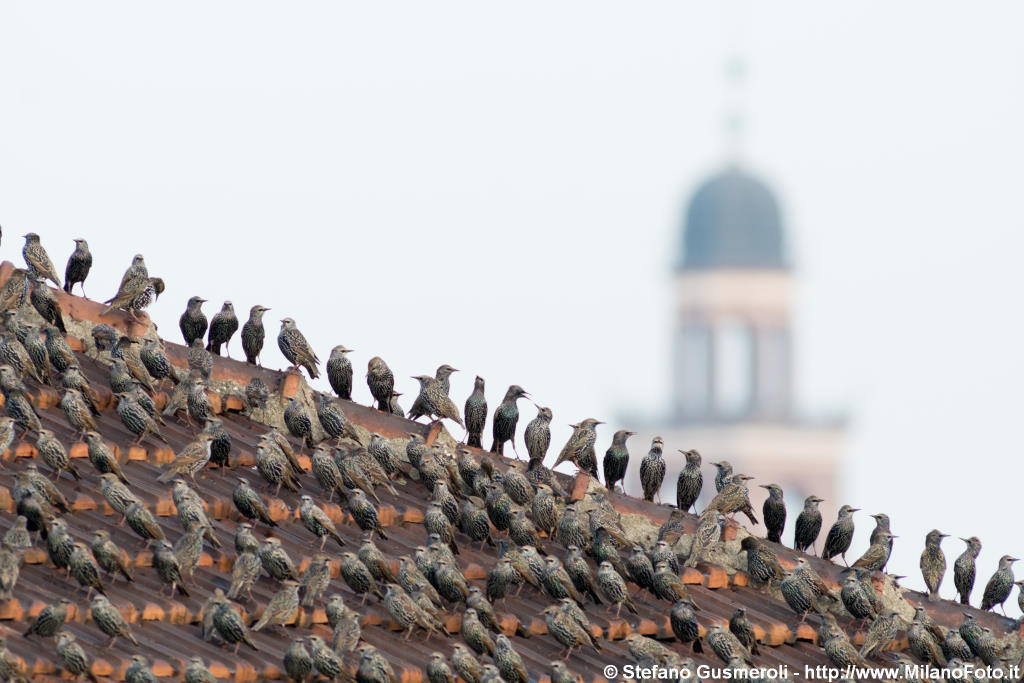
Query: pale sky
point(500, 188)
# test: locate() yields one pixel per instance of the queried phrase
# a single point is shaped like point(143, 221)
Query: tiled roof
point(168, 628)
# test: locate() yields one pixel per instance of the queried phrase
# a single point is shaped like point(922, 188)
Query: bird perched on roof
point(365, 514)
point(196, 672)
point(19, 408)
point(443, 377)
point(859, 597)
point(437, 669)
point(880, 633)
point(708, 533)
point(256, 395)
point(508, 661)
point(877, 555)
point(296, 349)
point(998, 588)
point(727, 645)
point(358, 576)
point(298, 663)
point(109, 620)
point(101, 457)
point(734, 497)
point(465, 664)
point(136, 419)
point(190, 459)
point(774, 511)
point(475, 412)
point(193, 322)
point(244, 573)
point(199, 359)
point(684, 624)
point(18, 537)
point(37, 260)
point(143, 523)
point(298, 421)
point(281, 606)
point(79, 264)
point(253, 333)
point(110, 557)
point(652, 470)
point(723, 470)
point(933, 563)
point(168, 568)
point(50, 619)
point(339, 372)
point(229, 624)
point(579, 449)
point(840, 535)
point(565, 629)
point(614, 588)
point(616, 459)
point(14, 292)
point(35, 347)
point(374, 667)
point(964, 569)
point(381, 382)
point(808, 525)
point(881, 524)
point(475, 634)
point(46, 304)
point(538, 435)
point(505, 419)
point(924, 643)
point(53, 453)
point(325, 661)
point(317, 522)
point(138, 671)
point(667, 585)
point(136, 295)
point(433, 400)
point(72, 657)
point(276, 562)
point(275, 469)
point(222, 327)
point(797, 593)
point(407, 613)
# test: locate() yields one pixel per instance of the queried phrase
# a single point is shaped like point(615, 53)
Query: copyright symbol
point(611, 671)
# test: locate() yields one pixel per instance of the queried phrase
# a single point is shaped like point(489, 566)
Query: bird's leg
point(323, 541)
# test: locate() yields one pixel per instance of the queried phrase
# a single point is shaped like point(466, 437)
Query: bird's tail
point(473, 441)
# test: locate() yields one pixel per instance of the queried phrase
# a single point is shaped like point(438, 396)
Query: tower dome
point(733, 221)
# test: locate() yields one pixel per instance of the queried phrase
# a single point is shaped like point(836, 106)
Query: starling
point(381, 450)
point(393, 405)
point(358, 577)
point(59, 544)
point(381, 382)
point(880, 634)
point(652, 470)
point(443, 377)
point(579, 450)
point(560, 674)
point(109, 556)
point(435, 402)
point(333, 419)
point(723, 470)
point(970, 631)
point(57, 348)
point(616, 459)
point(475, 634)
point(6, 433)
point(14, 354)
point(690, 481)
point(808, 525)
point(570, 529)
point(53, 453)
point(192, 322)
point(196, 672)
point(734, 497)
point(538, 435)
point(473, 522)
point(10, 569)
point(998, 588)
point(415, 449)
point(684, 624)
point(35, 347)
point(371, 556)
point(667, 585)
point(244, 539)
point(437, 669)
point(45, 487)
point(857, 599)
point(317, 522)
point(365, 514)
point(222, 327)
point(465, 664)
point(273, 466)
point(774, 511)
point(566, 631)
point(188, 549)
point(639, 568)
point(168, 568)
point(614, 588)
point(881, 524)
point(339, 372)
point(436, 521)
point(325, 661)
point(508, 661)
point(136, 419)
point(708, 533)
point(20, 409)
point(923, 643)
point(740, 626)
point(244, 573)
point(18, 537)
point(14, 292)
point(78, 266)
point(877, 555)
point(505, 419)
point(138, 671)
point(253, 335)
point(964, 569)
point(839, 650)
point(276, 562)
point(521, 530)
point(298, 663)
point(727, 645)
point(798, 594)
point(503, 577)
point(46, 304)
point(296, 349)
point(220, 442)
point(136, 295)
point(954, 646)
point(373, 667)
point(362, 471)
point(256, 395)
point(412, 579)
point(839, 537)
point(50, 619)
point(230, 626)
point(77, 411)
point(933, 563)
point(37, 260)
point(406, 613)
point(120, 379)
point(190, 459)
point(109, 620)
point(102, 458)
point(10, 668)
point(298, 421)
point(143, 523)
point(72, 657)
point(116, 493)
point(281, 607)
point(249, 503)
point(475, 412)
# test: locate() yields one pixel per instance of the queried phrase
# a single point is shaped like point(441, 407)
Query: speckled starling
point(230, 626)
point(856, 599)
point(798, 594)
point(57, 348)
point(774, 511)
point(326, 663)
point(839, 650)
point(365, 514)
point(188, 549)
point(708, 533)
point(734, 497)
point(475, 412)
point(50, 619)
point(880, 634)
point(406, 613)
point(964, 569)
point(196, 672)
point(538, 435)
point(17, 537)
point(13, 353)
point(357, 576)
point(475, 634)
point(20, 409)
point(877, 555)
point(318, 523)
point(374, 667)
point(923, 643)
point(244, 572)
point(281, 606)
point(298, 663)
point(189, 460)
point(46, 304)
point(437, 669)
point(138, 671)
point(110, 557)
point(371, 556)
point(37, 260)
point(465, 664)
point(616, 459)
point(59, 544)
point(249, 503)
point(296, 349)
point(933, 563)
point(566, 631)
point(136, 295)
point(53, 453)
point(667, 585)
point(199, 359)
point(955, 647)
point(78, 266)
point(503, 577)
point(561, 674)
point(473, 522)
point(723, 470)
point(256, 395)
point(333, 419)
point(505, 419)
point(168, 568)
point(109, 620)
point(727, 645)
point(998, 588)
point(245, 540)
point(839, 537)
point(116, 493)
point(509, 662)
point(193, 322)
point(652, 470)
point(579, 449)
point(45, 487)
point(6, 433)
point(10, 569)
point(35, 347)
point(614, 588)
point(881, 524)
point(273, 466)
point(136, 419)
point(740, 626)
point(435, 402)
point(222, 327)
point(808, 525)
point(339, 372)
point(276, 561)
point(102, 458)
point(73, 658)
point(684, 624)
point(297, 419)
point(381, 381)
point(360, 470)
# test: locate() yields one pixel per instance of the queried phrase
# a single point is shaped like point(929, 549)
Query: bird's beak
point(764, 486)
point(854, 509)
point(964, 540)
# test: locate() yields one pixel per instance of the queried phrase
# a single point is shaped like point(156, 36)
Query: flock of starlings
point(524, 505)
